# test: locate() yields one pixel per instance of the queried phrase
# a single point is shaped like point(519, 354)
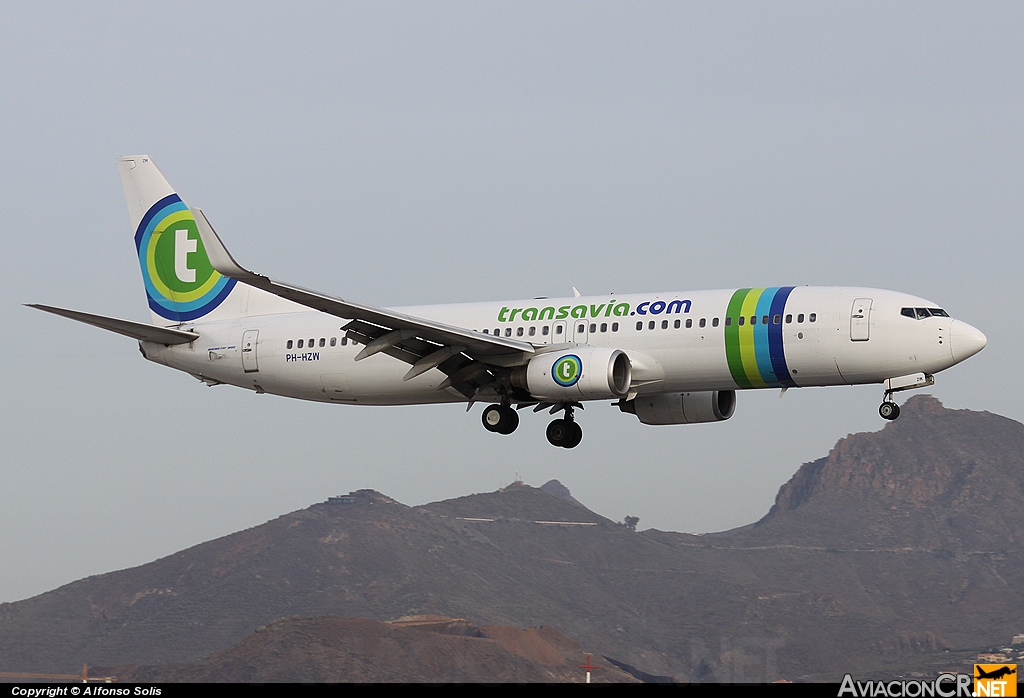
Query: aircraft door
point(249, 341)
point(860, 318)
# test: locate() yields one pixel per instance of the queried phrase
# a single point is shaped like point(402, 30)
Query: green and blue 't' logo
point(567, 370)
point(181, 283)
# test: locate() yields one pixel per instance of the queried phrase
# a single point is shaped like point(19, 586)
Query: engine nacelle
point(682, 408)
point(581, 373)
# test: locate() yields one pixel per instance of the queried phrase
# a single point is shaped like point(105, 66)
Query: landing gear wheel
point(511, 421)
point(500, 419)
point(557, 432)
point(889, 410)
point(564, 433)
point(575, 436)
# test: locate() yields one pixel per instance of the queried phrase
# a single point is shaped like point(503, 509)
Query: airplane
point(999, 673)
point(667, 358)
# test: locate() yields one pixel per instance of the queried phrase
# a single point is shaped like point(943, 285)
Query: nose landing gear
point(889, 409)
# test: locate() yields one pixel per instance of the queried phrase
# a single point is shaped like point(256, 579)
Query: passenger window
point(323, 342)
point(704, 321)
point(300, 344)
point(508, 331)
point(604, 326)
point(742, 319)
point(800, 317)
point(789, 318)
point(497, 331)
point(676, 324)
point(650, 325)
point(312, 343)
point(519, 332)
point(558, 329)
point(714, 322)
point(753, 319)
point(581, 328)
point(593, 327)
point(486, 331)
point(776, 319)
point(639, 325)
point(533, 331)
point(689, 323)
point(764, 320)
point(289, 345)
point(664, 324)
point(812, 317)
point(344, 341)
point(544, 330)
point(728, 322)
point(334, 341)
point(615, 327)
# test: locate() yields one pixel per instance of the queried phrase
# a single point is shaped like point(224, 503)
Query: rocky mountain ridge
point(898, 544)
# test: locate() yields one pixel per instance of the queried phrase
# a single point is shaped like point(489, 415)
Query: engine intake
point(581, 373)
point(682, 408)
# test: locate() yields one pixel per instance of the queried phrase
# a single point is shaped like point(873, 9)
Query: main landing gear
point(501, 419)
point(889, 409)
point(565, 432)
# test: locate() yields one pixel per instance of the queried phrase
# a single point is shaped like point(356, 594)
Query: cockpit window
point(922, 313)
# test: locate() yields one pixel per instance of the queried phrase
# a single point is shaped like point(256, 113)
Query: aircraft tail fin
point(181, 285)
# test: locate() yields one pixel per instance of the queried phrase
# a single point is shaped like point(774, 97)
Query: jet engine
point(581, 373)
point(682, 408)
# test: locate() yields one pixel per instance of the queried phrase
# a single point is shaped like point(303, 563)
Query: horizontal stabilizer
point(136, 330)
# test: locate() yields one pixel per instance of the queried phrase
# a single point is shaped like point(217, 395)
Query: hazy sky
point(444, 152)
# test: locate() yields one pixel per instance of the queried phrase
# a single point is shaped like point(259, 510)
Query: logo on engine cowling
point(567, 370)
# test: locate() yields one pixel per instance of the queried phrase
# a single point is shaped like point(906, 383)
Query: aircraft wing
point(425, 344)
point(129, 328)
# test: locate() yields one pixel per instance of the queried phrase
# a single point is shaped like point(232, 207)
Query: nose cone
point(965, 341)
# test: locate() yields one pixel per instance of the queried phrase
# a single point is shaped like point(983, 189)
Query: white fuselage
point(814, 336)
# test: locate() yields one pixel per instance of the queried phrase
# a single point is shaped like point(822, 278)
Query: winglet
point(220, 258)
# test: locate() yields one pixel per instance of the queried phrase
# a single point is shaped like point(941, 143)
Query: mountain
point(327, 649)
point(943, 479)
point(896, 546)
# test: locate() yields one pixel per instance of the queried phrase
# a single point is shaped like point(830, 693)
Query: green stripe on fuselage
point(748, 353)
point(732, 339)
